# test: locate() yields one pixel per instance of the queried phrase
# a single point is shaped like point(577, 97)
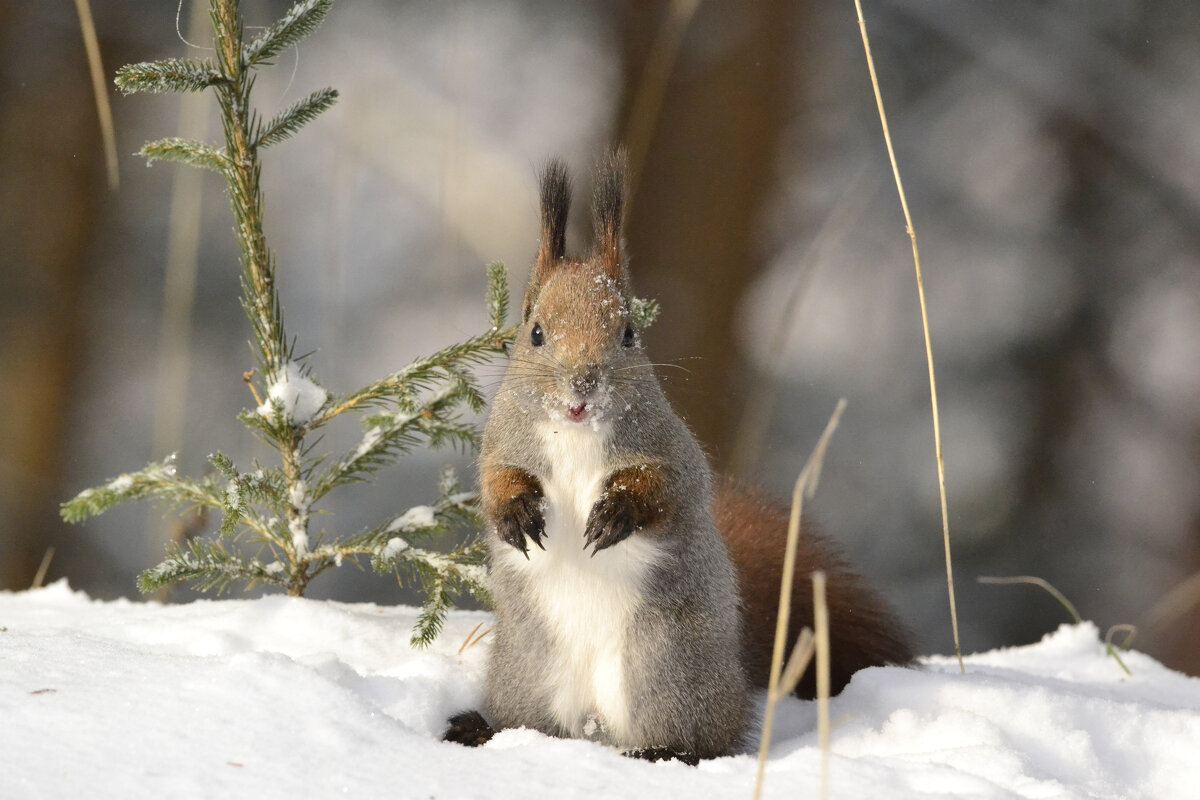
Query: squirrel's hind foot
point(468, 728)
point(662, 754)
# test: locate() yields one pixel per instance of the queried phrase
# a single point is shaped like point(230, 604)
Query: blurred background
point(1052, 163)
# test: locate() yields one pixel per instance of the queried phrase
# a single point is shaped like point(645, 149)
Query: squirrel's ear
point(608, 205)
point(555, 195)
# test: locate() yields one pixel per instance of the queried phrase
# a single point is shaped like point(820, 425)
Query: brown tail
point(863, 629)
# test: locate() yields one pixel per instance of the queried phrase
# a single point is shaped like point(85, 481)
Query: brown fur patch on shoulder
point(502, 485)
point(644, 488)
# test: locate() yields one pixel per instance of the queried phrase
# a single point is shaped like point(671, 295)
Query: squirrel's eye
point(628, 340)
point(536, 337)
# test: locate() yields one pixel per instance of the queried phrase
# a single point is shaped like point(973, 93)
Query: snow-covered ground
point(287, 698)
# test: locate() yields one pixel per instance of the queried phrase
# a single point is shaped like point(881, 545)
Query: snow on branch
point(209, 566)
point(168, 75)
point(301, 20)
point(293, 397)
point(285, 124)
point(197, 154)
point(157, 481)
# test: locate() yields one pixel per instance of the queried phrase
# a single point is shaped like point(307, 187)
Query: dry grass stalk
point(472, 639)
point(100, 89)
point(1033, 580)
point(802, 654)
point(806, 485)
point(1130, 632)
point(752, 428)
point(1036, 581)
point(40, 576)
point(179, 287)
point(1174, 604)
point(653, 86)
point(937, 428)
point(821, 622)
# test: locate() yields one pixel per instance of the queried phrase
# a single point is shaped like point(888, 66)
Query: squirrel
point(635, 596)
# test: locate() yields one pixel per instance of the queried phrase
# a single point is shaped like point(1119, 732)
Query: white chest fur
point(587, 602)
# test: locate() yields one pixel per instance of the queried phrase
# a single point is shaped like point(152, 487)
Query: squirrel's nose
point(585, 379)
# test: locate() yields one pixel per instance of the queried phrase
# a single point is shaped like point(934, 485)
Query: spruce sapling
point(270, 507)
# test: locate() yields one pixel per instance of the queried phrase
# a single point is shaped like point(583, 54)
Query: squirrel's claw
point(523, 518)
point(610, 522)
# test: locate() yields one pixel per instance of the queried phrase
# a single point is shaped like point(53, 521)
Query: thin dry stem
point(752, 427)
point(933, 397)
point(100, 89)
point(1070, 607)
point(472, 639)
point(1169, 608)
point(1036, 581)
point(179, 284)
point(802, 654)
point(806, 485)
point(40, 576)
point(248, 379)
point(467, 641)
point(1130, 631)
point(648, 102)
point(821, 622)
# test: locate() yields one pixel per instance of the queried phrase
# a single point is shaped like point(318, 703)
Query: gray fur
point(681, 670)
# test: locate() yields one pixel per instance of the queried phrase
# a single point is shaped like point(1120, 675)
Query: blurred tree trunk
point(694, 231)
point(51, 188)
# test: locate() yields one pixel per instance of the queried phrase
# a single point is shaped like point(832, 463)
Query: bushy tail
point(864, 630)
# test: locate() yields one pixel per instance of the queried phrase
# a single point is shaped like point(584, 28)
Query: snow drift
point(283, 698)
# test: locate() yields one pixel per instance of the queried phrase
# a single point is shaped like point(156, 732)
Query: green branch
point(157, 481)
point(168, 75)
point(285, 124)
point(209, 565)
point(185, 151)
point(300, 21)
point(270, 508)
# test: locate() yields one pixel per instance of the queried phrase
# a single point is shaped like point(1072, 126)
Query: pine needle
point(937, 428)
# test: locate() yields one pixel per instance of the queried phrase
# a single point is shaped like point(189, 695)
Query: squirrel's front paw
point(610, 522)
point(521, 518)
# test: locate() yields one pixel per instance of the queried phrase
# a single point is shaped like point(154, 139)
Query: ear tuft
point(555, 193)
point(554, 190)
point(608, 205)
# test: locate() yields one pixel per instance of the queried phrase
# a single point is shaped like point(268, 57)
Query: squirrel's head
point(577, 354)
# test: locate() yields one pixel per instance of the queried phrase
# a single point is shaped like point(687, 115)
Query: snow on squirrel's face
point(577, 357)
